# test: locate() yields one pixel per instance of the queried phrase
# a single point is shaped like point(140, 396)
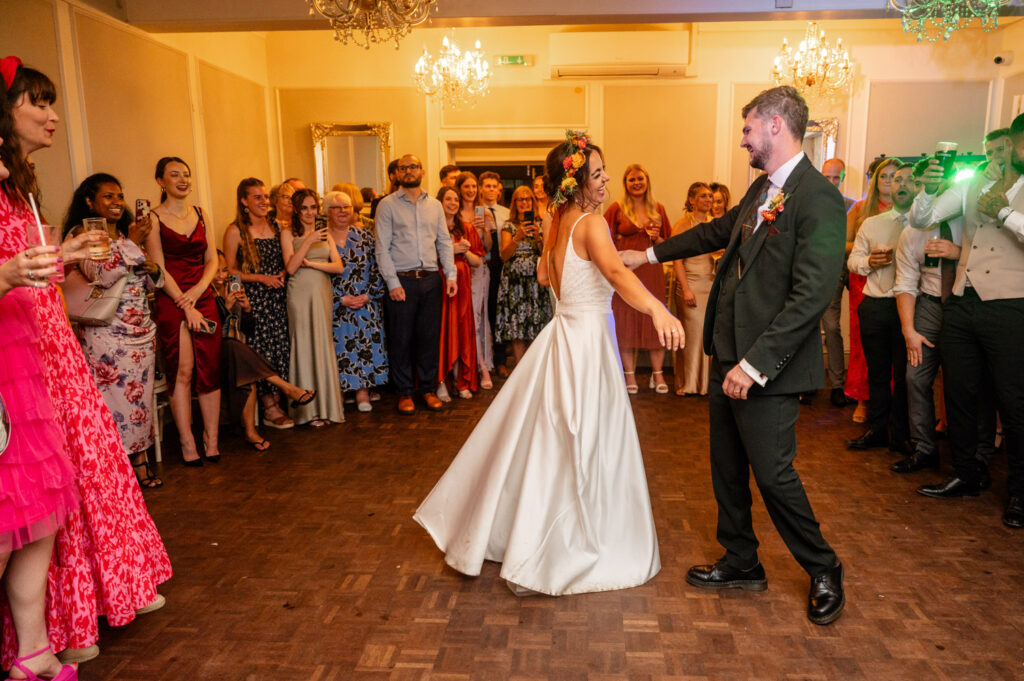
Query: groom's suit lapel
point(749, 251)
point(750, 205)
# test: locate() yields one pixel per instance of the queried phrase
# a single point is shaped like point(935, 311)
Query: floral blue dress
point(359, 334)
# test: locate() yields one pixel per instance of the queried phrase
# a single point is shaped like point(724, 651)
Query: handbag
point(89, 303)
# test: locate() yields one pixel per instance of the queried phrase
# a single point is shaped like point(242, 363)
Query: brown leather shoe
point(406, 405)
point(433, 403)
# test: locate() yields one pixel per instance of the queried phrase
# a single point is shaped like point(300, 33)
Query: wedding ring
point(31, 275)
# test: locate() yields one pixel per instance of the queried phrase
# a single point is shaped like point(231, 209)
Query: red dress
point(109, 557)
point(458, 331)
point(633, 328)
point(185, 260)
point(857, 372)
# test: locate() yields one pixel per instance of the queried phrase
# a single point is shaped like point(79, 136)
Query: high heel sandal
point(147, 480)
point(631, 388)
point(660, 387)
point(66, 673)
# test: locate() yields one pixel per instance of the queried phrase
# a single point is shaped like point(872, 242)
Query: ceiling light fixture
point(372, 22)
point(456, 77)
point(933, 18)
point(815, 69)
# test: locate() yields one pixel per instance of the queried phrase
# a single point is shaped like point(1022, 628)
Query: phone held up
point(141, 209)
point(320, 223)
point(234, 282)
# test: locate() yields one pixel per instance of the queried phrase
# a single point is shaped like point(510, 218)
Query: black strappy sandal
point(147, 481)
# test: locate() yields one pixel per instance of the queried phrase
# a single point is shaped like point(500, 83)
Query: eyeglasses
point(411, 166)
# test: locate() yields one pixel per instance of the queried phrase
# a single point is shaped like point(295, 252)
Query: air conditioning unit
point(620, 54)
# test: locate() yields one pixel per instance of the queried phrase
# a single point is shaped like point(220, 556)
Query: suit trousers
point(920, 379)
point(414, 335)
point(830, 325)
point(886, 355)
point(979, 335)
point(758, 434)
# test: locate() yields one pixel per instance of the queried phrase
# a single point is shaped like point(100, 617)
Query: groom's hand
point(737, 383)
point(633, 259)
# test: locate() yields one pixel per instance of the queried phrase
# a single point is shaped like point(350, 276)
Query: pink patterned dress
point(109, 557)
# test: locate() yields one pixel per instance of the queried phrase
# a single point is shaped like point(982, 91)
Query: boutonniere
point(777, 205)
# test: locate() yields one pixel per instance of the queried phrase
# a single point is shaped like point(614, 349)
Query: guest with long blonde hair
point(638, 222)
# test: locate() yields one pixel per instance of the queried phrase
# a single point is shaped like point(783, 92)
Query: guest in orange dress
point(637, 222)
point(878, 200)
point(458, 330)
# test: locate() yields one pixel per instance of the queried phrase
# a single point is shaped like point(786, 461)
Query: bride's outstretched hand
point(670, 330)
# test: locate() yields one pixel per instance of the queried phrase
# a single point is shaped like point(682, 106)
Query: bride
point(551, 482)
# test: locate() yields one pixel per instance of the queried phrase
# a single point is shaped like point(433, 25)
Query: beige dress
point(313, 362)
point(691, 364)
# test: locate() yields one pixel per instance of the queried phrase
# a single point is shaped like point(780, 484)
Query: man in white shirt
point(884, 350)
point(983, 321)
point(490, 192)
point(925, 269)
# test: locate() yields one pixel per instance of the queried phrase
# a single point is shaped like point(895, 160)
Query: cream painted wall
point(244, 54)
point(39, 49)
point(124, 104)
point(300, 107)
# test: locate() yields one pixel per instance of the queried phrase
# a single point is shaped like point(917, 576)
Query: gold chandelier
point(815, 69)
point(371, 22)
point(933, 18)
point(456, 77)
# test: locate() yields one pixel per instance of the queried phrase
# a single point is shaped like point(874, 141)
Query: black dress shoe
point(807, 398)
point(838, 398)
point(1014, 515)
point(951, 489)
point(722, 576)
point(915, 462)
point(869, 440)
point(826, 599)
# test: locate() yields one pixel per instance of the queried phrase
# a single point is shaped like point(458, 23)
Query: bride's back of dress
point(581, 283)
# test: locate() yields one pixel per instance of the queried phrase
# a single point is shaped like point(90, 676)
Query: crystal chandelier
point(370, 22)
point(816, 69)
point(932, 18)
point(456, 77)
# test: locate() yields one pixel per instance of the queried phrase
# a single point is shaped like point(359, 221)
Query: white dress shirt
point(930, 209)
point(882, 230)
point(912, 275)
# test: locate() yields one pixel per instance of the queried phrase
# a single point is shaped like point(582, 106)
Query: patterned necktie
point(947, 268)
point(748, 226)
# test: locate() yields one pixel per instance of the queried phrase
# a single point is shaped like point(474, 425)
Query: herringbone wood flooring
point(304, 563)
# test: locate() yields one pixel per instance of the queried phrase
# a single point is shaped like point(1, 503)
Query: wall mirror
point(820, 140)
point(356, 153)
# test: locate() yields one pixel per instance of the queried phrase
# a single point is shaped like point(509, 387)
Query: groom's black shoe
point(722, 576)
point(826, 599)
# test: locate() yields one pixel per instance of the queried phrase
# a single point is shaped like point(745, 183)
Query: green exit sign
point(512, 60)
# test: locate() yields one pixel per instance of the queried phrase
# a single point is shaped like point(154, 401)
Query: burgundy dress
point(633, 328)
point(185, 260)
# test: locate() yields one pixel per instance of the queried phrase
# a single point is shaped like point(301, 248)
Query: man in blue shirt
point(412, 245)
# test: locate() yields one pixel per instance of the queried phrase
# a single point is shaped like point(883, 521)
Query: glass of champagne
point(98, 250)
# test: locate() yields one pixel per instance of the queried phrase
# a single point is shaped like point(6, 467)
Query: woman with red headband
point(109, 556)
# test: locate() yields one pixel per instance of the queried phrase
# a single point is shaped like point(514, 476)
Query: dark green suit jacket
point(790, 271)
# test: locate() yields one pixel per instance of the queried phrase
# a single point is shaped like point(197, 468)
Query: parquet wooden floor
point(304, 563)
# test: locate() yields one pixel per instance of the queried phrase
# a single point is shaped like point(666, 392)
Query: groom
point(784, 253)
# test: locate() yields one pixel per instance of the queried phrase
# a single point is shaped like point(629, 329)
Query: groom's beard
point(759, 156)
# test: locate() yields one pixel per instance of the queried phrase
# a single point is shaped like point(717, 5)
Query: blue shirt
point(412, 236)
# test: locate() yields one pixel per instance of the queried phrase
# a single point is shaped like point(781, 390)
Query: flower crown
point(577, 142)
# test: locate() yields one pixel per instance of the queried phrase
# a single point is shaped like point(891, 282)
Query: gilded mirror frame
point(322, 131)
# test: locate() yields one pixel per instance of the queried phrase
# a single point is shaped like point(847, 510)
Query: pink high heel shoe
point(66, 673)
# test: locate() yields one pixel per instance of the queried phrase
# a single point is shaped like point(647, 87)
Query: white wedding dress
point(551, 482)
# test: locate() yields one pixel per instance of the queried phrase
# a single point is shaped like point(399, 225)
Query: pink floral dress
point(109, 557)
point(122, 356)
